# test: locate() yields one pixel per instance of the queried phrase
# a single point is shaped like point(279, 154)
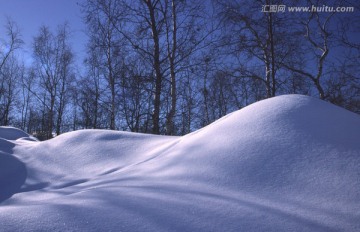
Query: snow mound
point(12, 133)
point(289, 163)
point(12, 170)
point(78, 156)
point(280, 144)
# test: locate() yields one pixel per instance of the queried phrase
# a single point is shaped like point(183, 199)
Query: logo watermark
point(294, 9)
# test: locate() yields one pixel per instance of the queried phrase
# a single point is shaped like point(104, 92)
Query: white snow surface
point(289, 163)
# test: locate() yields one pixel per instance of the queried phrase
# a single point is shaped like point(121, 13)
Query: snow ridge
point(285, 163)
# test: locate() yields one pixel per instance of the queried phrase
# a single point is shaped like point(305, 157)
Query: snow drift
point(290, 163)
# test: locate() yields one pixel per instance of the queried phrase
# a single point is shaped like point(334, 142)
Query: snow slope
point(289, 163)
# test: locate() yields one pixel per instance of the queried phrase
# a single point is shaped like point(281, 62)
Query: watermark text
point(310, 9)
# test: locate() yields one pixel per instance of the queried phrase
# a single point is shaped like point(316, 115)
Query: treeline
point(171, 67)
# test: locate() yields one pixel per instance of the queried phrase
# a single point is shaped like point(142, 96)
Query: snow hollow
point(289, 163)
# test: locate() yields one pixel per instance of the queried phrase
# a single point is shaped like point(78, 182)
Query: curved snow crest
point(76, 157)
point(285, 163)
point(282, 141)
point(12, 133)
point(278, 144)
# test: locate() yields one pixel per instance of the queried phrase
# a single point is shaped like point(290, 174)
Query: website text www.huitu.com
point(310, 9)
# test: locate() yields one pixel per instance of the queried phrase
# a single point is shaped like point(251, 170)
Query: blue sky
point(31, 14)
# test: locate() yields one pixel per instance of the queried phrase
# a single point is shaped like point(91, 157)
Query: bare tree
point(91, 91)
point(53, 59)
point(155, 23)
point(11, 44)
point(10, 70)
point(187, 34)
point(65, 72)
point(164, 35)
point(108, 44)
point(320, 45)
point(27, 82)
point(12, 73)
point(259, 41)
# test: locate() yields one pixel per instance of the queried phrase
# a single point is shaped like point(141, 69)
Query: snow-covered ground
point(290, 163)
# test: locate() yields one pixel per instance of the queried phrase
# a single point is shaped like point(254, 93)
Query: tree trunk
point(172, 55)
point(267, 75)
point(272, 52)
point(157, 68)
point(51, 118)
